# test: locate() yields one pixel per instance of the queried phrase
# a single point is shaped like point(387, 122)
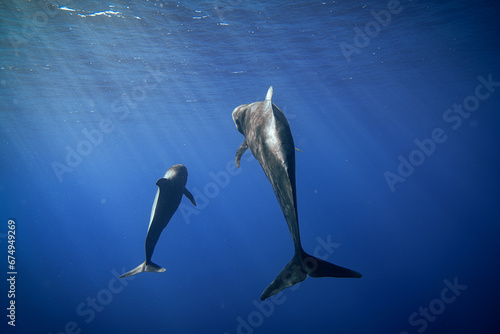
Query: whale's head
point(176, 173)
point(250, 111)
point(239, 117)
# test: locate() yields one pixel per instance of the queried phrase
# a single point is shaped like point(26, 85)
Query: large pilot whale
point(268, 136)
point(171, 187)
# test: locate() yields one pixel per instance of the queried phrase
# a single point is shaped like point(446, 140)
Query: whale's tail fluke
point(319, 268)
point(150, 267)
point(299, 267)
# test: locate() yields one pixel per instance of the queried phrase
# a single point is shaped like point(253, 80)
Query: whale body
point(269, 138)
point(171, 187)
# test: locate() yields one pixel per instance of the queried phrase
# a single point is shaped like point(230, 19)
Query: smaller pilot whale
point(268, 136)
point(171, 187)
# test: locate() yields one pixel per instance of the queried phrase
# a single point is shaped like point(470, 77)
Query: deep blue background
point(164, 78)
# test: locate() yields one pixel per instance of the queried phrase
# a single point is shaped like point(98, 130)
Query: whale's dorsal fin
point(269, 94)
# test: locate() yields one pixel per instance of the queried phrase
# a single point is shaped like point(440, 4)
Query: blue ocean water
point(394, 106)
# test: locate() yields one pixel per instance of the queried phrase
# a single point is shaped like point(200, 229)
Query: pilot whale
point(171, 187)
point(268, 136)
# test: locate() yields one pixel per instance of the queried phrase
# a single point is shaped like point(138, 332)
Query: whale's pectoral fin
point(151, 267)
point(292, 274)
point(190, 196)
point(240, 152)
point(299, 150)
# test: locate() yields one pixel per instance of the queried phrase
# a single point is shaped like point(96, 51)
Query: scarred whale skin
point(268, 136)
